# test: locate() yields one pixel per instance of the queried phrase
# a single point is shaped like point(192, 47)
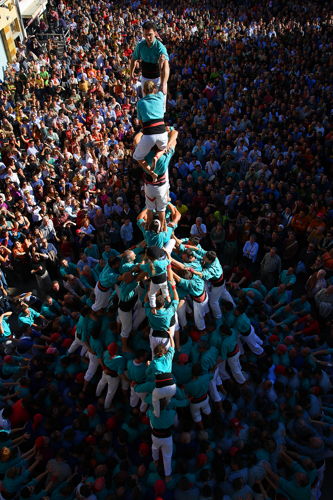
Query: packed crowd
point(166, 209)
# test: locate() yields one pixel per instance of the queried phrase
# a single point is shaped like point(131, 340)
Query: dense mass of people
point(166, 210)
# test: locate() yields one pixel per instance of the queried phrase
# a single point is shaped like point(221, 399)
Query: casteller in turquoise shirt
point(162, 163)
point(151, 107)
point(162, 319)
point(150, 54)
point(161, 365)
point(155, 239)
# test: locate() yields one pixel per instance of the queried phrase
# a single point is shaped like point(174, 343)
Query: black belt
point(102, 288)
point(164, 380)
point(160, 334)
point(218, 282)
point(127, 305)
point(156, 126)
point(161, 180)
point(160, 278)
point(162, 433)
point(246, 334)
point(150, 70)
point(199, 399)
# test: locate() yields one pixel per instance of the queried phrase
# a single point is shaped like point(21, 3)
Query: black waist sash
point(150, 70)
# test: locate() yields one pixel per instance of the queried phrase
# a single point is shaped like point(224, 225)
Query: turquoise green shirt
point(136, 372)
point(117, 363)
point(5, 326)
point(23, 319)
point(84, 327)
point(228, 344)
point(92, 251)
point(151, 107)
point(110, 253)
point(162, 163)
point(69, 269)
point(162, 319)
point(155, 239)
point(108, 277)
point(150, 54)
point(287, 279)
point(195, 286)
point(199, 386)
point(182, 373)
point(161, 365)
point(97, 347)
point(156, 268)
point(164, 421)
point(209, 358)
point(127, 291)
point(242, 323)
point(212, 271)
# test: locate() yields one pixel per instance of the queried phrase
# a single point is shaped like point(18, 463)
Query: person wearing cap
point(157, 189)
point(154, 59)
point(150, 111)
point(197, 391)
point(163, 320)
point(161, 430)
point(156, 264)
point(104, 286)
point(193, 285)
point(113, 365)
point(160, 371)
point(230, 353)
point(136, 374)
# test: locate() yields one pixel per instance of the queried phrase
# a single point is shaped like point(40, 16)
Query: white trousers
point(139, 315)
point(197, 408)
point(154, 341)
point(235, 367)
point(126, 320)
point(181, 312)
point(92, 367)
point(200, 310)
point(147, 142)
point(101, 298)
point(253, 342)
point(213, 387)
point(215, 294)
point(154, 289)
point(166, 392)
point(136, 397)
point(157, 197)
point(166, 446)
point(168, 247)
point(112, 386)
point(76, 344)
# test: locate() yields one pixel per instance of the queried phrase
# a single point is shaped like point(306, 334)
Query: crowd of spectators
point(250, 94)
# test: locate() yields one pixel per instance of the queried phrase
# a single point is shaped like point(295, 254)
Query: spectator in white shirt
point(199, 229)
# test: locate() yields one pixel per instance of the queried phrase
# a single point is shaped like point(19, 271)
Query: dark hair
point(149, 25)
point(211, 256)
point(159, 301)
